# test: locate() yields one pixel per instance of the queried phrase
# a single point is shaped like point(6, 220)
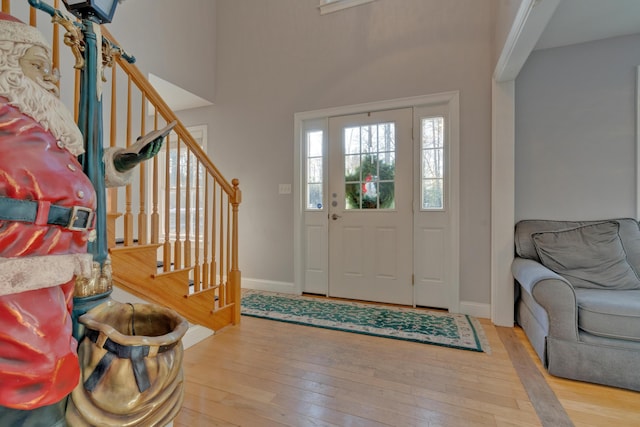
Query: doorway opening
point(376, 201)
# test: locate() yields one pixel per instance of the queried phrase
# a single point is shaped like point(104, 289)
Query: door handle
point(335, 216)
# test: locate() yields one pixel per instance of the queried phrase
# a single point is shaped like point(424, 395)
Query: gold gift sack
point(131, 362)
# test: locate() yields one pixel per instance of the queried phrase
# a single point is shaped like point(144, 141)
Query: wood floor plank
point(267, 373)
point(544, 400)
point(195, 418)
point(588, 404)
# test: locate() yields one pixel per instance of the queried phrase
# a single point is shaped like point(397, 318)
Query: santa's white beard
point(42, 106)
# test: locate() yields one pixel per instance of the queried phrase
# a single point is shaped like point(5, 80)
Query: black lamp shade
point(96, 10)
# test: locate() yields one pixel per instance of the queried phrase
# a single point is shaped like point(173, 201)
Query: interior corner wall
point(575, 154)
point(276, 58)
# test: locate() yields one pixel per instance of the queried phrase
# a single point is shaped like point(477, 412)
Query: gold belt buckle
point(74, 217)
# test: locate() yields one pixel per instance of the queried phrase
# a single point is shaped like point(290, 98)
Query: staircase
point(135, 265)
point(172, 232)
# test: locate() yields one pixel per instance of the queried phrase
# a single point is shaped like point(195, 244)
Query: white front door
point(370, 206)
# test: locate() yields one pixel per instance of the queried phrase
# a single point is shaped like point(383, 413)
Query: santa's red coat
point(38, 360)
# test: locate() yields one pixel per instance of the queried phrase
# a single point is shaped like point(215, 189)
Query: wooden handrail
point(168, 114)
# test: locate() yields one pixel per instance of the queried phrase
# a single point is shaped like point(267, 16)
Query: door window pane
point(432, 162)
point(315, 166)
point(352, 140)
point(369, 160)
point(431, 193)
point(351, 167)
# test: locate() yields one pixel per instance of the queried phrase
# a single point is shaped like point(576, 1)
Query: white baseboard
point(475, 309)
point(270, 285)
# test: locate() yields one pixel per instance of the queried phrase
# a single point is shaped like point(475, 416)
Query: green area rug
point(418, 325)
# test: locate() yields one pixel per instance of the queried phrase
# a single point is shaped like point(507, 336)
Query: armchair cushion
point(589, 256)
point(609, 313)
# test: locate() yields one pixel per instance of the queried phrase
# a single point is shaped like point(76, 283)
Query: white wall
point(175, 40)
point(261, 61)
point(575, 131)
point(504, 12)
point(276, 58)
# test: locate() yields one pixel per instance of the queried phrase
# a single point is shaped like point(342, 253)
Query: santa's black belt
point(44, 213)
point(136, 353)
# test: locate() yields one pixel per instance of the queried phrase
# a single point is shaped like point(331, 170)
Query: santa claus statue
point(46, 219)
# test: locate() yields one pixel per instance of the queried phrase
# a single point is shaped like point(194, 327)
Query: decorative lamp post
point(100, 11)
point(91, 51)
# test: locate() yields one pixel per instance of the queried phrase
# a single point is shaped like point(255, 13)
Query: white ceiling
point(579, 21)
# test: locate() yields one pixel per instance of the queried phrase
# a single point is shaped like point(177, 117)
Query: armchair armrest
point(553, 292)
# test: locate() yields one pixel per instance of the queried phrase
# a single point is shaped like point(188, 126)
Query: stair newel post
point(234, 274)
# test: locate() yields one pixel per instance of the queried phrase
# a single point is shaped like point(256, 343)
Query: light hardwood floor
point(267, 373)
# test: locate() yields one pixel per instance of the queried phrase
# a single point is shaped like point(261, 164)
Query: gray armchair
point(578, 297)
